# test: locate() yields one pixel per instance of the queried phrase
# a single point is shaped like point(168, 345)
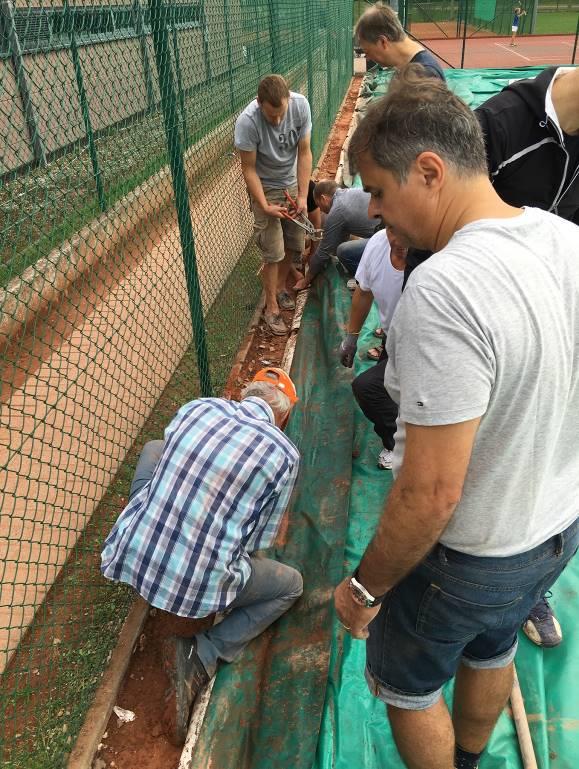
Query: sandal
point(374, 353)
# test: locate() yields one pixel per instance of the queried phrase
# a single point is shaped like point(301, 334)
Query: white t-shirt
point(489, 327)
point(376, 273)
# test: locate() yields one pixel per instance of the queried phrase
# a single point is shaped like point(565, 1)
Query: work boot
point(275, 324)
point(542, 627)
point(187, 677)
point(285, 301)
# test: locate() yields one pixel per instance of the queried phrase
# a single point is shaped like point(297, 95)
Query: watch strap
point(363, 596)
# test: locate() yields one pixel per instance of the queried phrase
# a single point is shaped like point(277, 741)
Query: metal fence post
point(177, 59)
point(69, 25)
point(309, 32)
point(7, 21)
point(140, 27)
point(169, 107)
point(464, 34)
point(575, 44)
point(229, 62)
point(273, 38)
point(203, 19)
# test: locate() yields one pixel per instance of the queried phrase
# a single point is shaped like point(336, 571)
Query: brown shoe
point(275, 323)
point(187, 677)
point(285, 301)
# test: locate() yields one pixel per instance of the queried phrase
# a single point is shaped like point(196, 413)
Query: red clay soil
point(142, 743)
point(328, 164)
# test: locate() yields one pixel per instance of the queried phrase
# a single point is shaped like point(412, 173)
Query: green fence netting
point(127, 277)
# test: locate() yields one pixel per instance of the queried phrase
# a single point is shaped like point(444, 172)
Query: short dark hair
point(379, 21)
point(273, 89)
point(325, 187)
point(419, 114)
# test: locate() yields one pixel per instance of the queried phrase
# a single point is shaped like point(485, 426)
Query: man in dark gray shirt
point(346, 214)
point(382, 38)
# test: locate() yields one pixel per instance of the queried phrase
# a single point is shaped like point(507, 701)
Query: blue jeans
point(269, 592)
point(350, 253)
point(457, 609)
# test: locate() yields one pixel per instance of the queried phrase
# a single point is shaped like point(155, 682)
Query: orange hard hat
point(278, 378)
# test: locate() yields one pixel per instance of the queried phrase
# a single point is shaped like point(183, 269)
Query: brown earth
point(142, 743)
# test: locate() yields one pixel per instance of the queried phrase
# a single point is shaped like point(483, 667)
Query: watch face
point(359, 596)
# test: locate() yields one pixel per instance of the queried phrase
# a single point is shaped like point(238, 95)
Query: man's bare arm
point(304, 171)
point(254, 185)
point(418, 510)
point(361, 304)
point(421, 502)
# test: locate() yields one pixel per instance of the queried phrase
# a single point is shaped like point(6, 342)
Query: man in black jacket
point(531, 131)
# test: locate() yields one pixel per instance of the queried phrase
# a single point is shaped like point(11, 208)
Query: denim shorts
point(456, 608)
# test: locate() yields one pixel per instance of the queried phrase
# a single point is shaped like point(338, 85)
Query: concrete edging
point(97, 717)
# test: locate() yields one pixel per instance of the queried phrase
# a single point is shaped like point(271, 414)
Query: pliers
point(301, 219)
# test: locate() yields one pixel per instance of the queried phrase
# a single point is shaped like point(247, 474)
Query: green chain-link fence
point(127, 278)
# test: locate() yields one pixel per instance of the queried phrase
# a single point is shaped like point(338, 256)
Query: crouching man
point(201, 503)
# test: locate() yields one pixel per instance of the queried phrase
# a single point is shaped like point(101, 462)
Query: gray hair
point(379, 21)
point(272, 395)
point(419, 114)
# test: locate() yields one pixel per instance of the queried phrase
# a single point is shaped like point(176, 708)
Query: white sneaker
point(351, 284)
point(385, 459)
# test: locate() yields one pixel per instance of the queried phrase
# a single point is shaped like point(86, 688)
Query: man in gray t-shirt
point(483, 514)
point(346, 214)
point(272, 136)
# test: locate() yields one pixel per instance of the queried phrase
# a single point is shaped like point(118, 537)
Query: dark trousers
point(375, 402)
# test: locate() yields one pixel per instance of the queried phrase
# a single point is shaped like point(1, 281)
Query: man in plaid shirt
point(201, 502)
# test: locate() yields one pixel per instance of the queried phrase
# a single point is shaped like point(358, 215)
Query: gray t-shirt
point(276, 147)
point(489, 327)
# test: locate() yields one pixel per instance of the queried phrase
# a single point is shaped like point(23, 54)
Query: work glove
point(348, 350)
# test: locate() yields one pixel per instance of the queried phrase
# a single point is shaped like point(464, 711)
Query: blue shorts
point(456, 608)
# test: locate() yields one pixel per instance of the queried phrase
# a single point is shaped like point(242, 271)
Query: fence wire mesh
point(127, 278)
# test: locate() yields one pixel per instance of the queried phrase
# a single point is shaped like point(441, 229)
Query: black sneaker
point(542, 627)
point(187, 677)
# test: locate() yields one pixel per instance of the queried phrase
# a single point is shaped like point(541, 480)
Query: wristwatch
point(361, 595)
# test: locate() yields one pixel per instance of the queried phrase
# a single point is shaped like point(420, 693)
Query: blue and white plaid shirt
point(217, 494)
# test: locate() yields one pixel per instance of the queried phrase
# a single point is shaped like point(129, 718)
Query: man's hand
point(348, 350)
point(302, 284)
point(276, 210)
point(354, 618)
point(301, 206)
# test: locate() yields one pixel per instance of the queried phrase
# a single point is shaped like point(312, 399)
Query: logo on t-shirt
point(289, 140)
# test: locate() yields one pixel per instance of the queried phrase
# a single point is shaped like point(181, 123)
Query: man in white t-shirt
point(483, 515)
point(379, 278)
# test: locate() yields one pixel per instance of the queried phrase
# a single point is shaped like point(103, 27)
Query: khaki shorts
point(274, 236)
